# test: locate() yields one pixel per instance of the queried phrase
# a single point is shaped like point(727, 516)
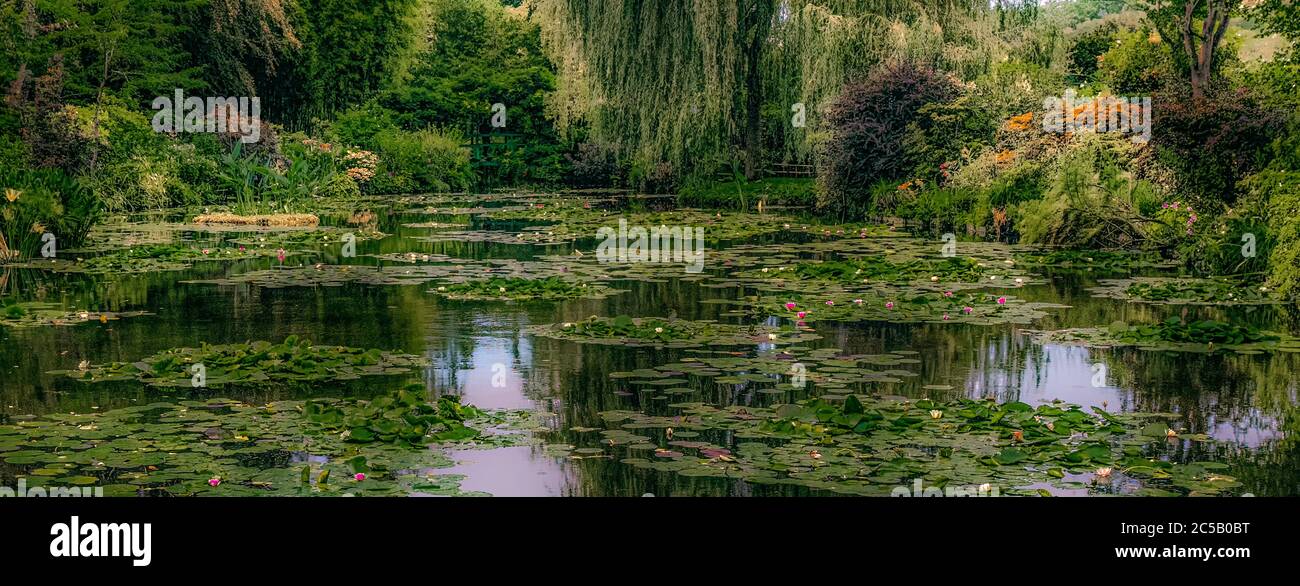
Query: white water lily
point(771, 336)
point(1104, 472)
point(986, 487)
point(568, 324)
point(659, 330)
point(1019, 280)
point(934, 279)
point(935, 414)
point(442, 288)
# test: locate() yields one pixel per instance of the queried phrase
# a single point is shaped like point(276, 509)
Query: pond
point(554, 412)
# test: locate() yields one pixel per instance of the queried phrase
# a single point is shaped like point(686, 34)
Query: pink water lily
point(947, 293)
point(889, 305)
point(830, 303)
point(858, 301)
point(214, 481)
point(802, 314)
point(968, 309)
point(205, 251)
point(789, 305)
point(360, 476)
point(945, 317)
point(1002, 300)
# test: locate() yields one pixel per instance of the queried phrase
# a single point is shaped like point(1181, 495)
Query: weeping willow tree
point(686, 82)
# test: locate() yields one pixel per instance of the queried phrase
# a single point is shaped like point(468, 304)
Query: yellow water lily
point(12, 194)
point(935, 414)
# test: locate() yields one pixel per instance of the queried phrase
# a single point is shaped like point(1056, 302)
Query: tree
point(1201, 25)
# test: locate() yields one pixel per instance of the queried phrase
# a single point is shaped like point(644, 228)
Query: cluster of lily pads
point(25, 314)
point(1182, 291)
point(868, 446)
point(669, 333)
point(1175, 334)
point(517, 289)
point(294, 360)
point(225, 447)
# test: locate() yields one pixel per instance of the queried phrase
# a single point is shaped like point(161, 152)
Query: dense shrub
point(1212, 143)
point(421, 161)
point(593, 165)
point(868, 123)
point(1138, 65)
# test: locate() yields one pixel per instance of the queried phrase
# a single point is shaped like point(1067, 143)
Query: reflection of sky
point(493, 379)
point(515, 471)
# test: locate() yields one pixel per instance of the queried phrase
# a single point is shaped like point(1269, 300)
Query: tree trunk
point(1213, 26)
point(753, 102)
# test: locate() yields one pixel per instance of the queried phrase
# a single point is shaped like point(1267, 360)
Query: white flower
point(442, 288)
point(568, 324)
point(1018, 281)
point(935, 414)
point(659, 330)
point(771, 336)
point(934, 279)
point(1104, 472)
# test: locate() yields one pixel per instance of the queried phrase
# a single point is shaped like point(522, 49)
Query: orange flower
point(12, 194)
point(1021, 122)
point(1005, 157)
point(1018, 435)
point(905, 186)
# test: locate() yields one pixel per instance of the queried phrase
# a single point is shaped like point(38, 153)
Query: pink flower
point(947, 293)
point(1002, 300)
point(802, 314)
point(889, 305)
point(214, 481)
point(205, 251)
point(858, 301)
point(968, 309)
point(830, 303)
point(241, 249)
point(789, 305)
point(945, 317)
point(360, 476)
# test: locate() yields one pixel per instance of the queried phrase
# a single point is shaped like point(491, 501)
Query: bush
point(1091, 200)
point(43, 200)
point(1212, 143)
point(593, 165)
point(421, 161)
point(869, 121)
point(1139, 65)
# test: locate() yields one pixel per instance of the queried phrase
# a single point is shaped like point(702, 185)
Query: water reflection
point(481, 352)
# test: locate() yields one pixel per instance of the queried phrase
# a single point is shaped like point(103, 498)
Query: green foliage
point(45, 201)
point(403, 417)
point(1177, 331)
point(1091, 200)
point(1136, 65)
point(774, 191)
point(421, 161)
point(1087, 47)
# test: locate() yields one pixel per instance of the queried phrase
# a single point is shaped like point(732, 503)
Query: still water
point(481, 352)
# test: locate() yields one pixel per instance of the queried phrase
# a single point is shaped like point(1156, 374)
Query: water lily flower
point(214, 481)
point(935, 414)
point(857, 301)
point(934, 279)
point(659, 330)
point(968, 309)
point(205, 251)
point(802, 314)
point(830, 302)
point(816, 455)
point(568, 324)
point(1104, 472)
point(442, 288)
point(1018, 435)
point(360, 476)
point(986, 487)
point(1171, 434)
point(1002, 300)
point(771, 336)
point(947, 293)
point(1051, 426)
point(889, 305)
point(789, 305)
point(945, 317)
point(1019, 281)
point(501, 289)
